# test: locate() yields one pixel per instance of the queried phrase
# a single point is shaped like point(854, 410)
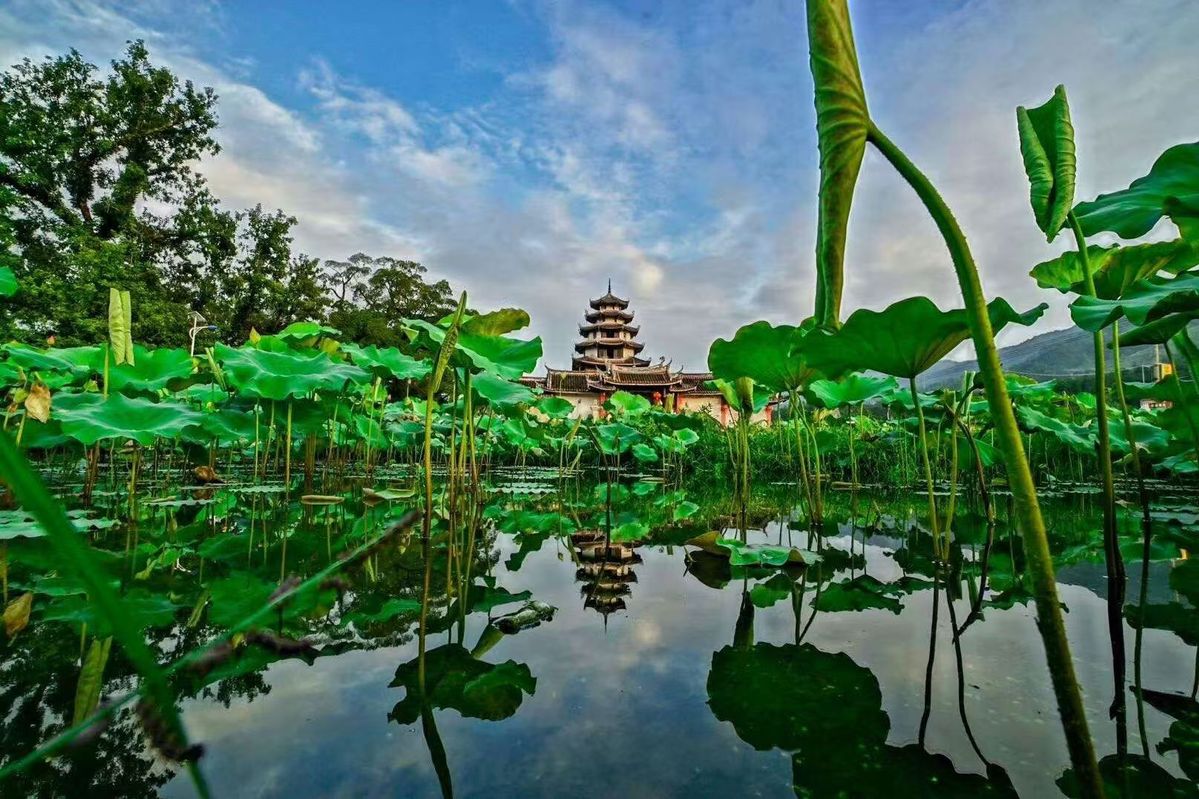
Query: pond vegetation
point(306, 566)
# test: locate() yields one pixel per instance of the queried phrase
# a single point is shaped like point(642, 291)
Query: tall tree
point(384, 290)
point(91, 170)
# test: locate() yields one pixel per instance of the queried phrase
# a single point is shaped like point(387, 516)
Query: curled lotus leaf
point(842, 127)
point(388, 362)
point(89, 418)
point(772, 356)
point(1115, 269)
point(1170, 189)
point(903, 339)
point(1145, 301)
point(1047, 147)
point(285, 375)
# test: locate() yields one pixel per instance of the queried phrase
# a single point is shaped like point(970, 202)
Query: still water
point(682, 676)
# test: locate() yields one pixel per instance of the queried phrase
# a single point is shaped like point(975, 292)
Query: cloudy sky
point(530, 150)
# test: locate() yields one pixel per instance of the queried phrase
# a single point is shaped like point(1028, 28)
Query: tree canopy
point(99, 189)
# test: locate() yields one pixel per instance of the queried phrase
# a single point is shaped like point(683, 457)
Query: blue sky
point(528, 150)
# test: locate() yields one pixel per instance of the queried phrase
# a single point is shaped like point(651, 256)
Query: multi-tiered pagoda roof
point(607, 338)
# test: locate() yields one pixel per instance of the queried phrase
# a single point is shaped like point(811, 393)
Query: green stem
point(1028, 511)
point(928, 469)
point(1115, 563)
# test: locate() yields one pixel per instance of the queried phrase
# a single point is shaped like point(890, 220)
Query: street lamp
point(198, 323)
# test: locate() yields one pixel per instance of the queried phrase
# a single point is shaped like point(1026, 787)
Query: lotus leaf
point(1144, 301)
point(1047, 146)
point(1159, 331)
point(285, 375)
point(1115, 269)
point(555, 407)
point(120, 326)
point(388, 362)
point(1170, 189)
point(1078, 438)
point(495, 323)
point(89, 418)
point(904, 339)
point(842, 127)
point(507, 357)
point(622, 403)
point(851, 389)
point(501, 393)
point(150, 370)
point(8, 282)
point(771, 356)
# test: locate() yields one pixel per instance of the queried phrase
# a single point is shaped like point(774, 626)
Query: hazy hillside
point(1065, 355)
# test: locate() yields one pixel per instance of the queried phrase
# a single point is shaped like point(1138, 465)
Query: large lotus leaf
point(388, 362)
point(8, 282)
point(851, 389)
point(232, 424)
point(796, 698)
point(495, 323)
point(89, 418)
point(623, 403)
point(1047, 147)
point(1149, 437)
point(1170, 189)
point(150, 370)
point(1158, 331)
point(501, 393)
point(507, 357)
point(454, 679)
point(555, 407)
point(842, 125)
point(1072, 435)
point(76, 361)
point(616, 437)
point(903, 339)
point(148, 610)
point(1143, 301)
point(772, 356)
point(1115, 268)
point(1164, 390)
point(284, 375)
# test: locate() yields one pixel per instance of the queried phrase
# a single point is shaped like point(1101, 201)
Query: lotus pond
point(553, 667)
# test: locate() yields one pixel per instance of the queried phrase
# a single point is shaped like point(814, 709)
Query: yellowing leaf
point(37, 404)
point(120, 326)
point(16, 615)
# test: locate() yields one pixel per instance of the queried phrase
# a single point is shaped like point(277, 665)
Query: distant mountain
point(1065, 355)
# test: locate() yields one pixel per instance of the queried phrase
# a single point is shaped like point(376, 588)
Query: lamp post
point(198, 323)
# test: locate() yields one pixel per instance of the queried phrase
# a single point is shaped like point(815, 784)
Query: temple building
point(607, 358)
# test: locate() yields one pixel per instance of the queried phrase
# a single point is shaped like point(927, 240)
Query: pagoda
point(608, 336)
point(607, 358)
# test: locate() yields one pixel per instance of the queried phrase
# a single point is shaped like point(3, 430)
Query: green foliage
point(1144, 301)
point(1170, 189)
point(842, 124)
point(904, 339)
point(771, 356)
point(1047, 146)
